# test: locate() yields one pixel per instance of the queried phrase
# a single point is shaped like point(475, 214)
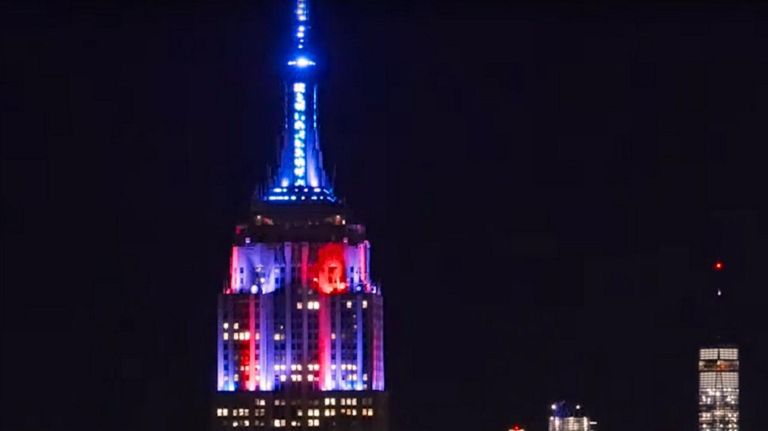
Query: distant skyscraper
point(719, 388)
point(300, 321)
point(719, 360)
point(567, 417)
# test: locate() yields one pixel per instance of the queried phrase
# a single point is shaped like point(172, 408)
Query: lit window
point(299, 305)
point(226, 325)
point(236, 325)
point(225, 336)
point(365, 303)
point(349, 304)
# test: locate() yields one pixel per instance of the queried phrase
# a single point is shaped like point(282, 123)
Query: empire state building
point(300, 321)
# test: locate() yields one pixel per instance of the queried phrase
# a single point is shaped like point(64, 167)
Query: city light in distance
point(718, 265)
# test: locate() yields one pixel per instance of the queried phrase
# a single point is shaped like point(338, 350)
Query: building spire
point(301, 57)
point(300, 175)
point(301, 25)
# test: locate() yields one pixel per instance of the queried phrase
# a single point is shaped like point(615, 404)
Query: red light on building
point(330, 269)
point(718, 266)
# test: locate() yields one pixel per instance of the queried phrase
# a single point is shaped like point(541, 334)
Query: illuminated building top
point(567, 417)
point(300, 321)
point(300, 174)
point(719, 388)
point(299, 310)
point(719, 364)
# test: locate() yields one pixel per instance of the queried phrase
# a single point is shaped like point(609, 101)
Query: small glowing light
point(301, 62)
point(719, 266)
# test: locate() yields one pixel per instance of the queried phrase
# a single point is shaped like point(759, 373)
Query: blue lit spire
point(301, 27)
point(300, 175)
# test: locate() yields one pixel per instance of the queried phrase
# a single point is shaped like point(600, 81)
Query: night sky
point(545, 188)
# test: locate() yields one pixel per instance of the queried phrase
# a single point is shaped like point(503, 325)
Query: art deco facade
point(300, 320)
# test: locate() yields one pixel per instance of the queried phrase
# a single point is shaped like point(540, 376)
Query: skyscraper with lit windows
point(300, 321)
point(569, 417)
point(719, 362)
point(719, 388)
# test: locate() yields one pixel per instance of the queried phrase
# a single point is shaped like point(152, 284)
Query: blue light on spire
point(300, 33)
point(301, 62)
point(302, 23)
point(300, 175)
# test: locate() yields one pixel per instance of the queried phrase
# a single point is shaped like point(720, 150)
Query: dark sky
point(545, 187)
